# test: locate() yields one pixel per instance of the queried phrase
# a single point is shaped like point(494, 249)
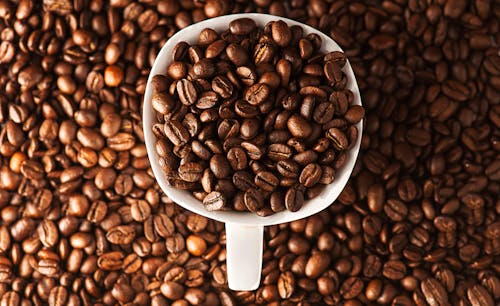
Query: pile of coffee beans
point(82, 221)
point(254, 119)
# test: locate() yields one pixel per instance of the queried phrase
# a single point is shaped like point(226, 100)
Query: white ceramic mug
point(244, 230)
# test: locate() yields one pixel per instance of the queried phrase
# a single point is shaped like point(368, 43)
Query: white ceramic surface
point(243, 230)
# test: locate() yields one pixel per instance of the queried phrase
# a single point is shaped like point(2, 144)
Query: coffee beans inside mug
point(240, 83)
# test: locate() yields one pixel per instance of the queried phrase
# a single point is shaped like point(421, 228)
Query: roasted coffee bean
point(434, 292)
point(207, 36)
point(204, 68)
point(207, 99)
point(266, 180)
point(253, 199)
point(220, 166)
point(394, 269)
point(246, 75)
point(110, 261)
point(351, 287)
point(324, 112)
point(245, 109)
point(288, 168)
point(237, 54)
point(478, 295)
point(121, 234)
point(242, 26)
point(191, 172)
point(299, 127)
point(222, 86)
point(252, 150)
point(279, 152)
point(277, 201)
point(281, 33)
point(187, 92)
point(310, 175)
point(243, 180)
point(306, 157)
point(256, 94)
point(237, 158)
point(395, 210)
point(338, 138)
point(214, 201)
point(140, 210)
point(294, 198)
point(249, 128)
point(215, 49)
point(177, 70)
point(176, 132)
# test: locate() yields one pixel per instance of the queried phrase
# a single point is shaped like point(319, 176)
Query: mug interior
point(185, 198)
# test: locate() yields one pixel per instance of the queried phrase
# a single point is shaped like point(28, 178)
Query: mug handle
point(244, 246)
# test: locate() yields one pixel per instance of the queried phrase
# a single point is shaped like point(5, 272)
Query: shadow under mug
point(244, 230)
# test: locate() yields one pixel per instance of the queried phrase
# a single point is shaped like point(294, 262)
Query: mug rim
point(186, 199)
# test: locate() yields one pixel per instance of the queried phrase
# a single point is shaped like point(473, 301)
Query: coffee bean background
point(83, 222)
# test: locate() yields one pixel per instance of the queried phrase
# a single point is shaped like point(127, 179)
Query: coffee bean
point(121, 234)
point(279, 152)
point(215, 48)
point(140, 210)
point(294, 198)
point(176, 132)
point(204, 68)
point(266, 180)
point(243, 180)
point(214, 201)
point(317, 264)
point(110, 261)
point(281, 33)
point(299, 127)
point(478, 295)
point(394, 269)
point(324, 112)
point(186, 91)
point(58, 295)
point(121, 142)
point(195, 245)
point(191, 172)
point(395, 210)
point(338, 138)
point(220, 166)
point(257, 94)
point(306, 48)
point(172, 290)
point(288, 168)
point(245, 109)
point(242, 26)
point(163, 225)
point(306, 157)
point(434, 292)
point(355, 114)
point(163, 103)
point(310, 175)
point(351, 287)
point(222, 86)
point(237, 158)
point(253, 200)
point(249, 128)
point(177, 70)
point(237, 54)
point(252, 150)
